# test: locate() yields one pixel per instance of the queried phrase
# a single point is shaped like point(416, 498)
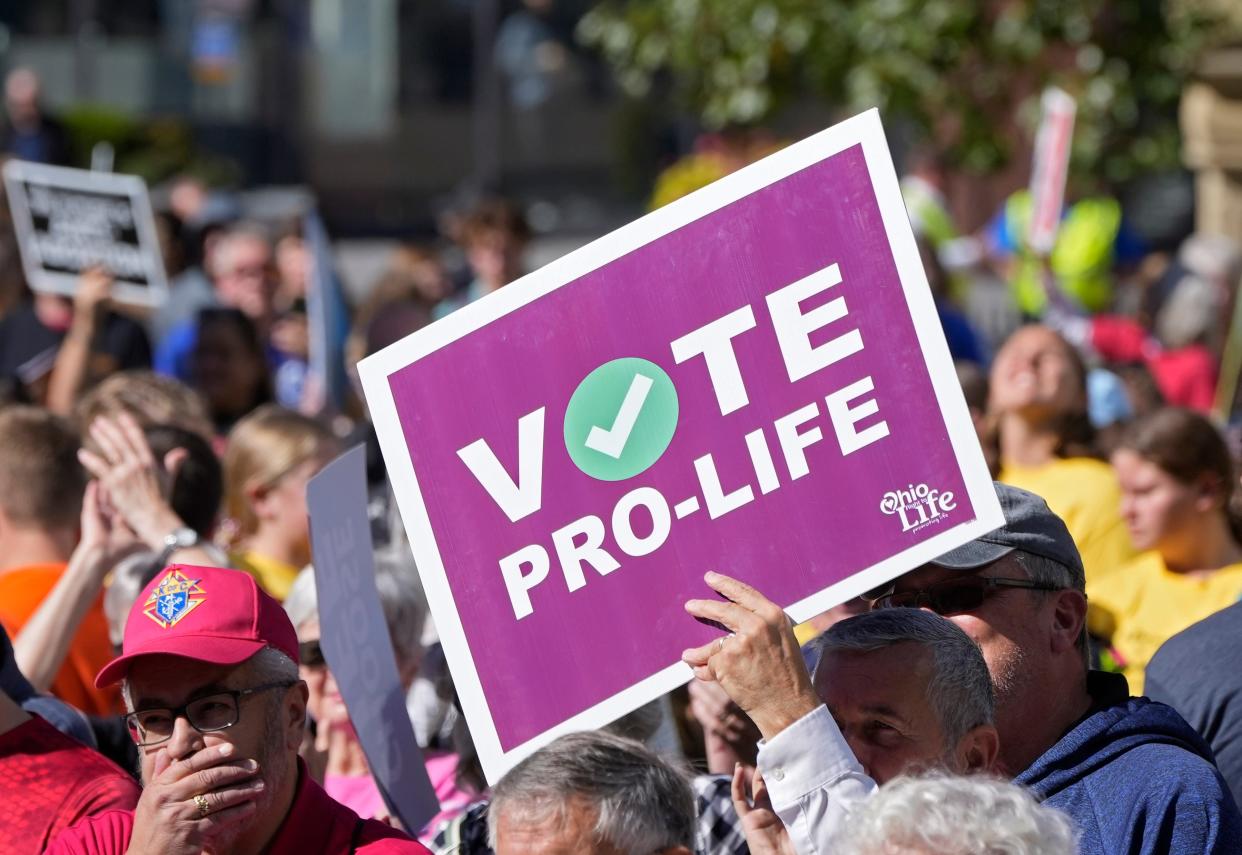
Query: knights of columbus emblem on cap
point(174, 598)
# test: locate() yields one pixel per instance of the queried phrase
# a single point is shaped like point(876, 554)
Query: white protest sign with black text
point(68, 220)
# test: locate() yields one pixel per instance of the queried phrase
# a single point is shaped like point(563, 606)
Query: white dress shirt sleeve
point(813, 779)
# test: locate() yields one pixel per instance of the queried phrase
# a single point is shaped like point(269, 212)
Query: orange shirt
point(22, 589)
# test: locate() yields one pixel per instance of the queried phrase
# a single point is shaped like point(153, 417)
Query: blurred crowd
point(1071, 682)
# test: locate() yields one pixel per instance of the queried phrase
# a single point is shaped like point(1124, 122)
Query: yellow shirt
point(804, 632)
point(1084, 493)
point(274, 576)
point(1146, 604)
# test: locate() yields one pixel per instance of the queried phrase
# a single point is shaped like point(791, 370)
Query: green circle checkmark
point(620, 419)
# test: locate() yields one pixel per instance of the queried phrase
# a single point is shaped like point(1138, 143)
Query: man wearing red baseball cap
point(210, 678)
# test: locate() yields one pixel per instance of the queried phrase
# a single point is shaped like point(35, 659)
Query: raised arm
point(73, 359)
point(44, 642)
point(808, 775)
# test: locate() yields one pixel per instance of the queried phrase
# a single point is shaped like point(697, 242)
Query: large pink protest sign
point(751, 380)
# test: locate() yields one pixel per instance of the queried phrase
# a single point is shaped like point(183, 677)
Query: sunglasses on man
point(955, 596)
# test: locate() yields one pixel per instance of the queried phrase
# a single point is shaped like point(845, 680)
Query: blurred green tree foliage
point(967, 73)
point(154, 148)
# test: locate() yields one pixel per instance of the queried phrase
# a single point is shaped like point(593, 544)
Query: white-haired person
point(592, 793)
point(939, 814)
point(335, 752)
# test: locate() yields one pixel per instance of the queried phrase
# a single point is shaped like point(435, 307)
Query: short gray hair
point(270, 665)
point(405, 605)
point(642, 804)
point(400, 595)
point(973, 815)
point(130, 575)
point(232, 237)
point(1049, 572)
point(960, 689)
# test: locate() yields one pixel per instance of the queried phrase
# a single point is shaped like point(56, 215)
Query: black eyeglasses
point(955, 596)
point(310, 654)
point(210, 713)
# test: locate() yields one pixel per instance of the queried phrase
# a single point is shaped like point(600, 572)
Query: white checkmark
point(612, 441)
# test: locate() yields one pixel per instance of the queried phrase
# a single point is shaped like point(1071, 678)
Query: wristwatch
point(178, 538)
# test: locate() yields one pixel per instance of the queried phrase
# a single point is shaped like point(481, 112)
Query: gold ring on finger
point(204, 807)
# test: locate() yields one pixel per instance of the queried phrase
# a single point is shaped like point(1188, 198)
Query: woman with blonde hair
point(272, 453)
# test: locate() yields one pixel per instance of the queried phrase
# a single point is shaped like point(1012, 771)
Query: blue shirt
point(176, 350)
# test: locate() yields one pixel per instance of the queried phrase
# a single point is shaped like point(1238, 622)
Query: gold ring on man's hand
point(204, 807)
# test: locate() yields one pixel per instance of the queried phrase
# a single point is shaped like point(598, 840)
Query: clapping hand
point(137, 486)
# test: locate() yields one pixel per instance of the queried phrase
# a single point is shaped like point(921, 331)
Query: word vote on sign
point(751, 380)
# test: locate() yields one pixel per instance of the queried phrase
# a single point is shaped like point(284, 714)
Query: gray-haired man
point(592, 794)
point(909, 691)
point(903, 691)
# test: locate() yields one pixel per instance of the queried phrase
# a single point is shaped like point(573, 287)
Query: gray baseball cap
point(1030, 526)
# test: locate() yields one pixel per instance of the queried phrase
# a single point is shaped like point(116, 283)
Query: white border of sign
point(375, 370)
point(131, 186)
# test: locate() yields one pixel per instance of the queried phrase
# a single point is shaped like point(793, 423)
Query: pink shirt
point(359, 793)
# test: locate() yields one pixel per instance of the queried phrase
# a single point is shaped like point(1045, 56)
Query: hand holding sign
point(91, 299)
point(70, 220)
point(760, 663)
point(736, 380)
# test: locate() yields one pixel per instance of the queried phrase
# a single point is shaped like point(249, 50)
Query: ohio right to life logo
point(918, 506)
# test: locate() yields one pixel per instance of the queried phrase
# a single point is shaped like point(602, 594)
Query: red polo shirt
point(316, 823)
point(48, 782)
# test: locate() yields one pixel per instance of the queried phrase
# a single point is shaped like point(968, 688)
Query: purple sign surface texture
point(751, 381)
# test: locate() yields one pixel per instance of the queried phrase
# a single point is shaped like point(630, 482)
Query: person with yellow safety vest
point(1091, 240)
